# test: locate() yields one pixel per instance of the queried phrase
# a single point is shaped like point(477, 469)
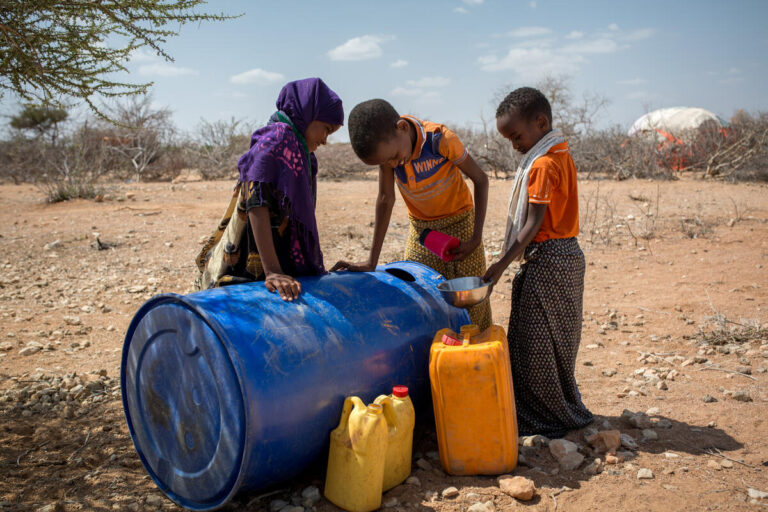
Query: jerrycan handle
point(351, 402)
point(389, 410)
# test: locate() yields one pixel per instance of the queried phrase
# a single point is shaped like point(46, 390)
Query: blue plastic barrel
point(232, 389)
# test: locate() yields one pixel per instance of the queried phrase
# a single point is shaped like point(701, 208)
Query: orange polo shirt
point(432, 184)
point(552, 181)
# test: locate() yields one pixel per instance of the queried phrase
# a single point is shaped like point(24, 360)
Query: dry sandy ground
point(663, 260)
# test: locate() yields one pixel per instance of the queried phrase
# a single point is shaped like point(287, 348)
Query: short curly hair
point(370, 123)
point(529, 102)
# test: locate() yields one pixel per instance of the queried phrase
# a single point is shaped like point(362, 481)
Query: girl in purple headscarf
point(269, 231)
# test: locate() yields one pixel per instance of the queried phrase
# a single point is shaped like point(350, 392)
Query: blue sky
point(445, 60)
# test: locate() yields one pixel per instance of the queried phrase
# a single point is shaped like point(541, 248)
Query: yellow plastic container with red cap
point(473, 400)
point(357, 456)
point(401, 418)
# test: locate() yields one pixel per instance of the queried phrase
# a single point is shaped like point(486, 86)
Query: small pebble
point(450, 492)
point(644, 474)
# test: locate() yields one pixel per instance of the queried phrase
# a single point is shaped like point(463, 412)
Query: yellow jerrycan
point(473, 400)
point(356, 458)
point(401, 418)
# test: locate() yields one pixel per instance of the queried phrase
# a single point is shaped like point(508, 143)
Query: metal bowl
point(464, 292)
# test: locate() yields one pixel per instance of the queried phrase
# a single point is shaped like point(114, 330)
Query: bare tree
point(141, 132)
point(217, 145)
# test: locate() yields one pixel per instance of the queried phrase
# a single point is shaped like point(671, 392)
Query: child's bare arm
point(480, 181)
point(384, 203)
point(288, 287)
point(532, 225)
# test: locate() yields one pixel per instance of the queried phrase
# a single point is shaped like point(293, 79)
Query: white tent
point(676, 121)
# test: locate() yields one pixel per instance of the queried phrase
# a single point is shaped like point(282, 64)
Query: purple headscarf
point(310, 100)
point(277, 157)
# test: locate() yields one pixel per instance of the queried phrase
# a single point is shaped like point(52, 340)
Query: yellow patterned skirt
point(461, 227)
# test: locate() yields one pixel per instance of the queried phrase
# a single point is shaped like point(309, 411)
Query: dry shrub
point(74, 166)
point(216, 147)
point(338, 161)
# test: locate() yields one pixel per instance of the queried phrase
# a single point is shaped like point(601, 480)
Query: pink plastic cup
point(439, 243)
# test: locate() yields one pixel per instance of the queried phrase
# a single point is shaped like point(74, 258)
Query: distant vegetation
point(69, 157)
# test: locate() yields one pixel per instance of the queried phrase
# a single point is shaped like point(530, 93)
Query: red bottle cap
point(400, 391)
point(448, 340)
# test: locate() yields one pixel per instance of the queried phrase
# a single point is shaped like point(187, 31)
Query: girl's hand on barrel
point(353, 267)
point(288, 287)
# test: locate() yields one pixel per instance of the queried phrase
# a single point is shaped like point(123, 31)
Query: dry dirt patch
point(675, 286)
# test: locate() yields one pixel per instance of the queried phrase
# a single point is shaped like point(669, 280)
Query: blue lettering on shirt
point(429, 162)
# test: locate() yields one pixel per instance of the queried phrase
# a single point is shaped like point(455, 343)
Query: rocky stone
point(518, 487)
point(450, 492)
point(644, 474)
point(757, 494)
point(607, 441)
point(413, 480)
point(482, 507)
point(650, 435)
point(277, 505)
point(535, 440)
point(662, 385)
point(559, 448)
point(663, 423)
point(628, 442)
point(726, 464)
point(311, 493)
point(708, 399)
point(612, 459)
point(6, 346)
point(739, 396)
point(570, 461)
point(609, 372)
point(594, 467)
point(713, 464)
point(52, 245)
point(153, 500)
point(653, 411)
point(32, 347)
point(424, 464)
point(389, 502)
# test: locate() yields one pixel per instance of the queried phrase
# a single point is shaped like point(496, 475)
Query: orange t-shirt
point(431, 183)
point(552, 181)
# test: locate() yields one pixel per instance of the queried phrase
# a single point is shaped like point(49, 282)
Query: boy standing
point(547, 292)
point(426, 161)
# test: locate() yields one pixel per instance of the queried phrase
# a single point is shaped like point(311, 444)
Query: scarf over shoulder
point(278, 156)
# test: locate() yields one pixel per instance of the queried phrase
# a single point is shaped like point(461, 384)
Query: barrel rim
point(175, 298)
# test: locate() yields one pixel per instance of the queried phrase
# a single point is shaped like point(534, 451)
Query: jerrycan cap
point(450, 340)
point(400, 391)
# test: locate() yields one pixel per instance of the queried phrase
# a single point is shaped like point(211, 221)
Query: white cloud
point(594, 46)
point(141, 55)
point(430, 81)
point(639, 34)
point(166, 69)
point(532, 63)
point(575, 34)
point(399, 63)
point(460, 10)
point(473, 2)
point(633, 81)
point(613, 27)
point(256, 76)
point(532, 4)
point(416, 92)
point(529, 32)
point(359, 48)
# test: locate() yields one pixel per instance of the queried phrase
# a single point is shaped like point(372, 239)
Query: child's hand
point(494, 273)
point(353, 267)
point(464, 250)
point(288, 287)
